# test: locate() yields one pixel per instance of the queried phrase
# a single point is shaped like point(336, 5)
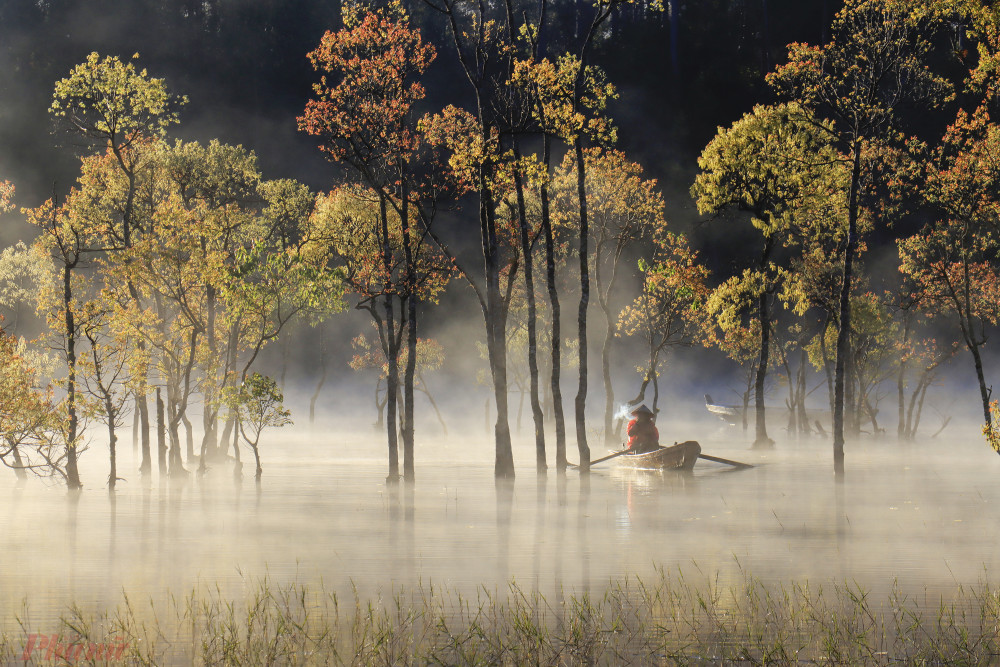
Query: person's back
point(642, 433)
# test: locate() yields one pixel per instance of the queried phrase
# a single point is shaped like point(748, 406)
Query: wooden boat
point(677, 457)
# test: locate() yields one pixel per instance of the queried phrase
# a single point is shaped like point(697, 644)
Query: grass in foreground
point(667, 620)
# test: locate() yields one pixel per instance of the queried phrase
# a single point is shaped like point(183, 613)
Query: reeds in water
point(664, 620)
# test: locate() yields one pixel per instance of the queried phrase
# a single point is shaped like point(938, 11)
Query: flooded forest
point(459, 332)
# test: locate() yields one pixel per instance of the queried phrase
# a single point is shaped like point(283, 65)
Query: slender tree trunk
point(18, 463)
point(430, 397)
point(844, 334)
point(830, 392)
point(581, 394)
point(496, 336)
point(174, 414)
point(322, 378)
point(256, 459)
point(380, 405)
point(189, 435)
point(656, 393)
point(761, 439)
point(161, 434)
point(556, 335)
point(237, 429)
point(411, 340)
point(804, 426)
point(971, 340)
point(529, 288)
point(72, 473)
point(901, 402)
point(609, 391)
point(210, 438)
point(984, 391)
point(227, 430)
point(392, 353)
point(112, 446)
point(142, 404)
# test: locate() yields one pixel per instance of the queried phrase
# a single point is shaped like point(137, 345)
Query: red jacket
point(642, 434)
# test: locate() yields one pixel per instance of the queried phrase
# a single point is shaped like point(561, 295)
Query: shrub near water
point(668, 620)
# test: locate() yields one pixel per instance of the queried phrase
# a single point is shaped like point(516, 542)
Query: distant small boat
point(677, 457)
point(731, 414)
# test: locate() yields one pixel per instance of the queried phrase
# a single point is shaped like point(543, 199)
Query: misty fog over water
point(920, 515)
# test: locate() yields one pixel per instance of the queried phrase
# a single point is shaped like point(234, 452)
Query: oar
point(719, 459)
point(609, 456)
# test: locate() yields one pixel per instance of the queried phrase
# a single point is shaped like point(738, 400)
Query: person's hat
point(642, 410)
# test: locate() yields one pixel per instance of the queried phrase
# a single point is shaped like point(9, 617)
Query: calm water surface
point(922, 515)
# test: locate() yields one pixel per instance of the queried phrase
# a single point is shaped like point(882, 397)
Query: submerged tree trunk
point(189, 436)
point(901, 384)
point(761, 439)
point(984, 391)
point(556, 335)
point(18, 462)
point(72, 473)
point(843, 335)
point(142, 404)
point(411, 340)
point(803, 420)
point(609, 392)
point(392, 353)
point(581, 394)
point(161, 434)
point(496, 335)
point(227, 431)
point(322, 378)
point(112, 444)
point(529, 288)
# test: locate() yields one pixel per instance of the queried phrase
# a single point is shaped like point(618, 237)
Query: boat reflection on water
point(646, 491)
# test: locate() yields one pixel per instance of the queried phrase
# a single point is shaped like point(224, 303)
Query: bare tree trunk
point(496, 331)
point(556, 335)
point(392, 353)
point(581, 395)
point(411, 340)
point(761, 439)
point(161, 434)
point(112, 446)
point(843, 335)
point(801, 398)
point(72, 474)
point(210, 437)
point(142, 403)
point(18, 463)
point(609, 391)
point(189, 435)
point(529, 288)
point(227, 430)
point(423, 387)
point(322, 378)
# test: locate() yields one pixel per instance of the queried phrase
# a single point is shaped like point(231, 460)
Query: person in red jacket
point(642, 433)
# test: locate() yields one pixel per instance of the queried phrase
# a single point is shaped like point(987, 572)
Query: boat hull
point(677, 457)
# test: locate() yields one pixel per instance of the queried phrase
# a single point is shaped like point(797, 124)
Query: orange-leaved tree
point(955, 261)
point(363, 115)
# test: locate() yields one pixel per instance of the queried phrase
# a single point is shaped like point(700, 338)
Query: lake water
point(922, 515)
